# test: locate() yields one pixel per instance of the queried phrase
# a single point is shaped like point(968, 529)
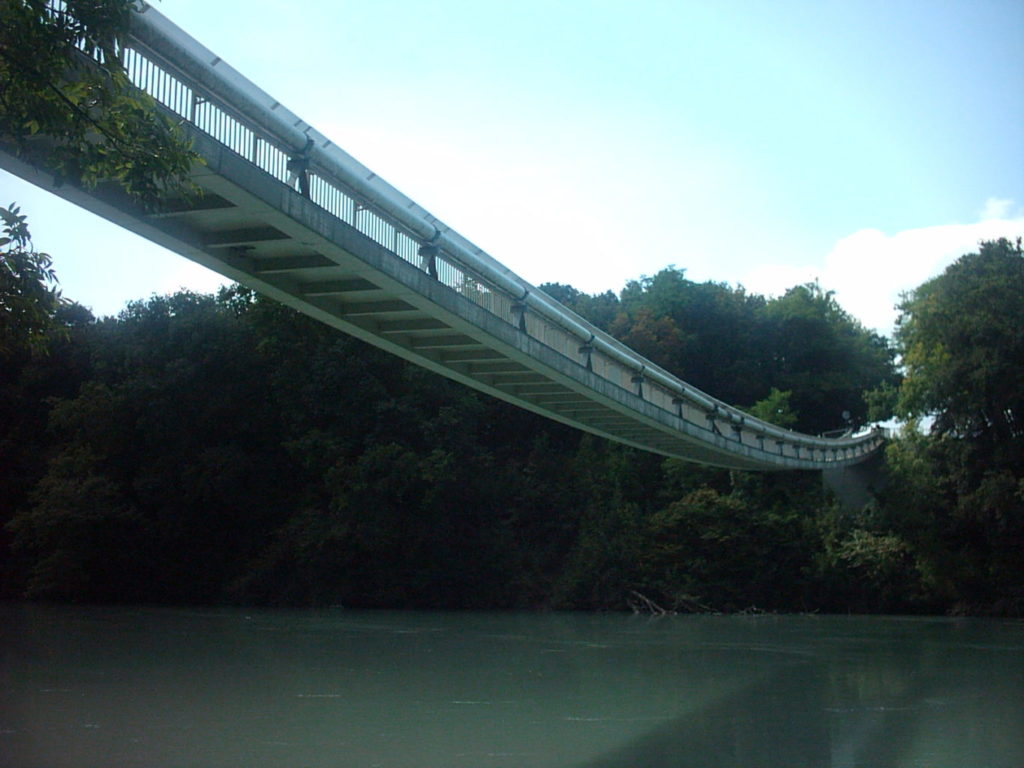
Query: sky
point(865, 145)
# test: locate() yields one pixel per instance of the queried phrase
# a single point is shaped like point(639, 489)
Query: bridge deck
point(331, 240)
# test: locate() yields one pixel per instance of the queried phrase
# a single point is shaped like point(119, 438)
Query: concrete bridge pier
point(855, 485)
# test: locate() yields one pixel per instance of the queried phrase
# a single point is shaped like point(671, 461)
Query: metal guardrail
point(193, 83)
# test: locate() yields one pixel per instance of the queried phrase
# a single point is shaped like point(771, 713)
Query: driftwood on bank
point(642, 604)
point(639, 603)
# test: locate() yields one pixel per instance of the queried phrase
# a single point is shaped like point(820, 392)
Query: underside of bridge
point(383, 286)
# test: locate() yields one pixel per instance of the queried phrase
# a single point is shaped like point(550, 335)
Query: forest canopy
point(201, 449)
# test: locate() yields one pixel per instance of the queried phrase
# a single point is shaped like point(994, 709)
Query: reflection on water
point(140, 687)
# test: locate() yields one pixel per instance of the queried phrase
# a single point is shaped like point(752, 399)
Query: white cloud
point(868, 270)
point(998, 209)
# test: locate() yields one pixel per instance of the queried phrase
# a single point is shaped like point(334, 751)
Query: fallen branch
point(691, 605)
point(639, 603)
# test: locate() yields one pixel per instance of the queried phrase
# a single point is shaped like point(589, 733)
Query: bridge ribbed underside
point(255, 228)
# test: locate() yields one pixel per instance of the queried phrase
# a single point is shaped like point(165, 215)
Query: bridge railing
point(193, 83)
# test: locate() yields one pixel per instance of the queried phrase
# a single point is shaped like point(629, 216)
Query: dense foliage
point(63, 87)
point(29, 297)
point(740, 347)
point(210, 449)
point(201, 448)
point(957, 499)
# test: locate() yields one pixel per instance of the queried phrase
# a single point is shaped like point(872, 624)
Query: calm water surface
point(156, 687)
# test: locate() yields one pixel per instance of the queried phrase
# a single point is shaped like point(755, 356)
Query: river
point(234, 687)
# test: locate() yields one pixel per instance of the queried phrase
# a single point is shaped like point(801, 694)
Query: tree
point(728, 550)
point(66, 93)
point(167, 468)
point(705, 333)
point(29, 298)
point(958, 493)
point(962, 342)
point(600, 309)
point(824, 357)
point(775, 409)
point(744, 349)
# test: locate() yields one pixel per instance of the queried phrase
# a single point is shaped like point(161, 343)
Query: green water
point(174, 687)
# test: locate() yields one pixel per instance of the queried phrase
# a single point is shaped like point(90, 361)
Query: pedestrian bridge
point(290, 214)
